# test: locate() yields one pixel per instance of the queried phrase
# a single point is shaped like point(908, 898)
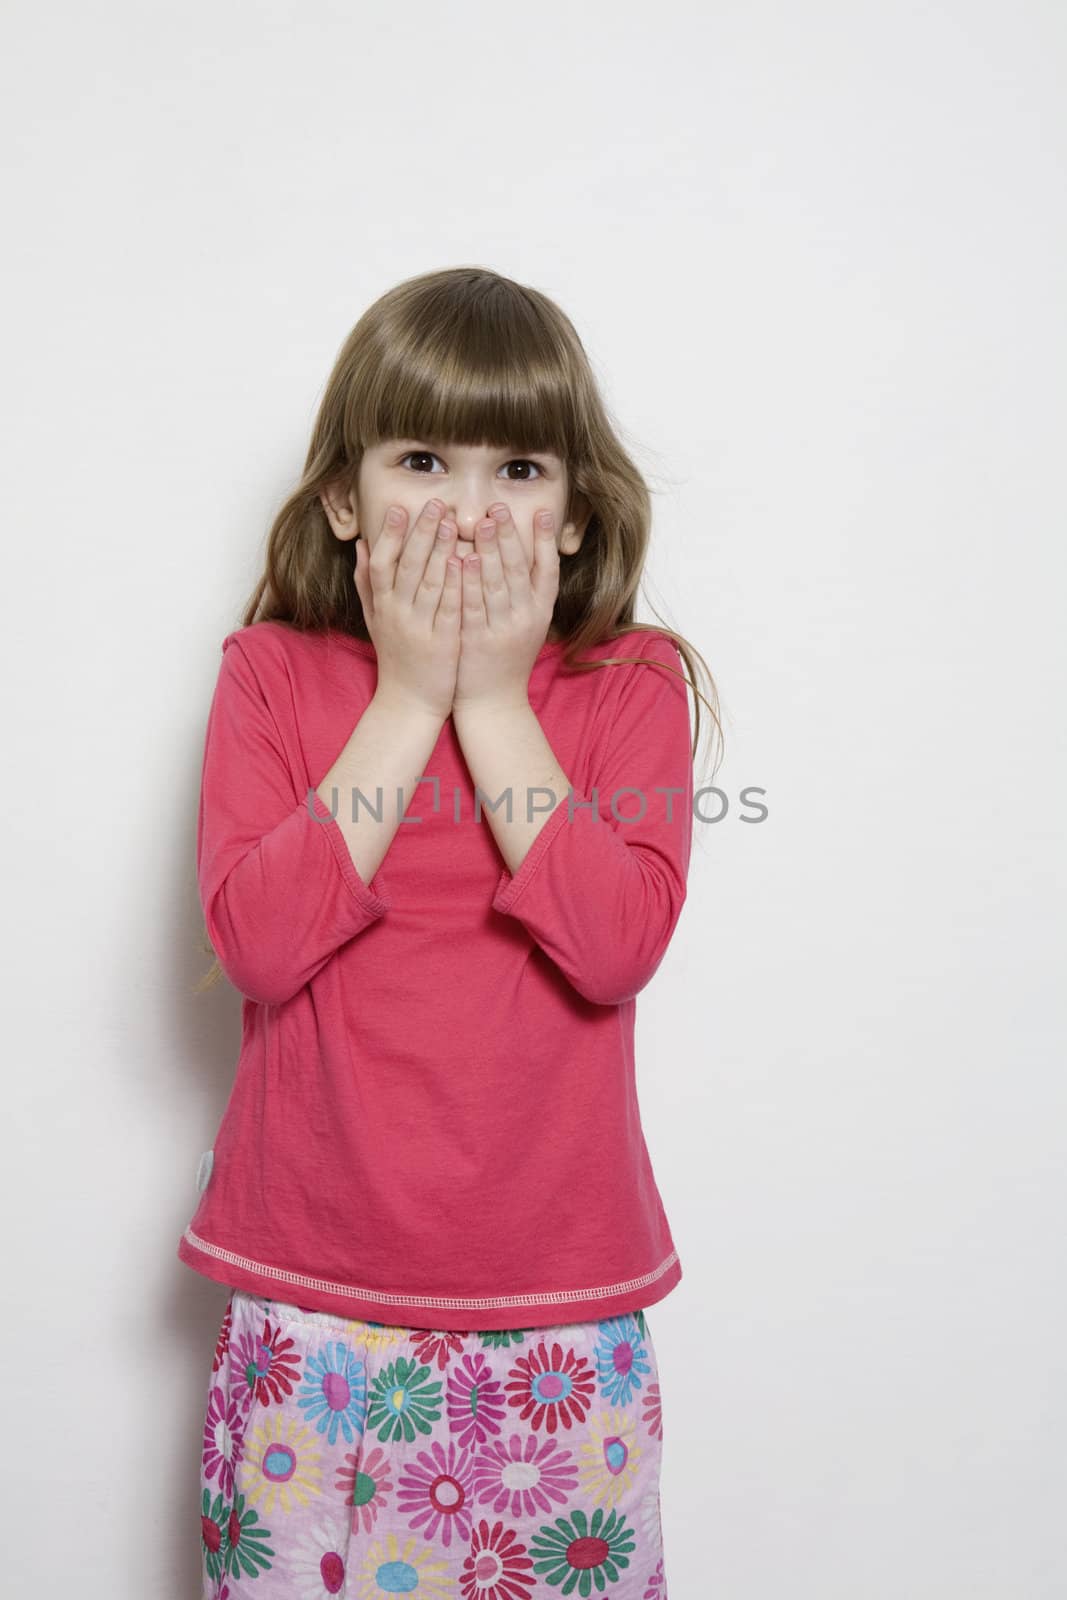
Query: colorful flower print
point(345, 1460)
point(283, 1462)
point(247, 1549)
point(214, 1515)
point(314, 1565)
point(263, 1368)
point(656, 1588)
point(366, 1482)
point(435, 1493)
point(553, 1389)
point(609, 1457)
point(390, 1568)
point(403, 1400)
point(502, 1338)
point(652, 1411)
point(576, 1553)
point(621, 1358)
point(497, 1566)
point(374, 1337)
point(475, 1400)
point(334, 1391)
point(431, 1347)
point(223, 1439)
point(524, 1476)
point(222, 1343)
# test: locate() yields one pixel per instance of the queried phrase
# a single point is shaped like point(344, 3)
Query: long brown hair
point(471, 357)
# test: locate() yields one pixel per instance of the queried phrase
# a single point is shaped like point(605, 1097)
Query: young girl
point(443, 841)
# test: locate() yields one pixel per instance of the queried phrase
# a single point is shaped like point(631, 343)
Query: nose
point(468, 504)
point(466, 521)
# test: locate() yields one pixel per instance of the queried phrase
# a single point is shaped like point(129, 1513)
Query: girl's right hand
point(410, 593)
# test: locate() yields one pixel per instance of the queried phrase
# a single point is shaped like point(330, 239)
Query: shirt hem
point(456, 1313)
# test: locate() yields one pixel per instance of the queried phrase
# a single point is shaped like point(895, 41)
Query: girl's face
point(467, 479)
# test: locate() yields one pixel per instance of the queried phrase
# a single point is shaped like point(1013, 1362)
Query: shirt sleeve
point(604, 882)
point(279, 889)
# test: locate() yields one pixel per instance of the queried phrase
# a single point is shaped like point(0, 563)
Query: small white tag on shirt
point(203, 1171)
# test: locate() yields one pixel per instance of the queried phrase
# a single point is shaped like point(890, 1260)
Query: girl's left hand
point(507, 607)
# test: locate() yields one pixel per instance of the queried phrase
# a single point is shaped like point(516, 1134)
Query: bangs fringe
point(468, 362)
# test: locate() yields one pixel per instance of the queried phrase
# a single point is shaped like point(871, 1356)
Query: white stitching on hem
point(325, 1286)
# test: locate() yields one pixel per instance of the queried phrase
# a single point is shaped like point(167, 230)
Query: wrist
point(400, 705)
point(491, 707)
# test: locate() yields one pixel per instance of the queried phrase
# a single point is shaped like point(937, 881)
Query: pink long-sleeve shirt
point(434, 1119)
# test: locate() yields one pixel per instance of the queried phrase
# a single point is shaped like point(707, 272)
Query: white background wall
point(817, 256)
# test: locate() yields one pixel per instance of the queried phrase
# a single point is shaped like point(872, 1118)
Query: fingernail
point(395, 516)
point(498, 512)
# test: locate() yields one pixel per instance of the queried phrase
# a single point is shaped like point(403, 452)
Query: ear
point(339, 504)
point(574, 528)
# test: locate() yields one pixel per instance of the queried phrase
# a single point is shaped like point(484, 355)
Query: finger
point(514, 562)
point(544, 574)
point(428, 593)
point(449, 608)
point(496, 594)
point(416, 550)
point(474, 624)
point(381, 568)
point(361, 578)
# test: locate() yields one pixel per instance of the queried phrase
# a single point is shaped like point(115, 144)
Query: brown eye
point(524, 463)
point(419, 455)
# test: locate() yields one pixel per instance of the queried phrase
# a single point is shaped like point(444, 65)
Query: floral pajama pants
point(354, 1459)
